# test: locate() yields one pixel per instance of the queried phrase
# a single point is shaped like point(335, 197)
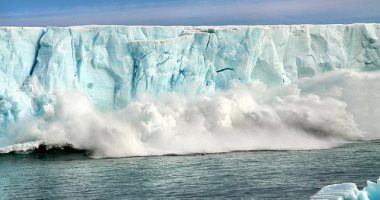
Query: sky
point(186, 12)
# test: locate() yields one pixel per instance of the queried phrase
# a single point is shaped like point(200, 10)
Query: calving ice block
point(125, 71)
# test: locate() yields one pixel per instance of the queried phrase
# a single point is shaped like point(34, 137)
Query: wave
point(42, 151)
point(21, 147)
point(319, 112)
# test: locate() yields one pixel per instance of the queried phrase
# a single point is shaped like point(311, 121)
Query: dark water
point(253, 175)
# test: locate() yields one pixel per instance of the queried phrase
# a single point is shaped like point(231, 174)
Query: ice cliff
point(113, 64)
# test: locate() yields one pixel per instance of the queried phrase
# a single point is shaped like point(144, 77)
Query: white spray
point(319, 112)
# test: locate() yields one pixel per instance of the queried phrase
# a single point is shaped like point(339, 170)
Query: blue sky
point(185, 12)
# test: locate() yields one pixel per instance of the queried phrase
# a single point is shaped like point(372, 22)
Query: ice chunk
point(349, 191)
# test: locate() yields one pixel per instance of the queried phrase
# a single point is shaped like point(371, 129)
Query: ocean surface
point(70, 174)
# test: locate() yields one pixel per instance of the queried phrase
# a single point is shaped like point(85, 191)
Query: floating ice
point(349, 191)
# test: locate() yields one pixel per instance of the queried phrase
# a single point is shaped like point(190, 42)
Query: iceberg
point(349, 191)
point(113, 66)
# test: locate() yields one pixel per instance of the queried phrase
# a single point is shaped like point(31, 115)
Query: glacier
point(349, 191)
point(114, 67)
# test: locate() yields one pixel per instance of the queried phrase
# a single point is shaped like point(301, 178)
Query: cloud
point(204, 12)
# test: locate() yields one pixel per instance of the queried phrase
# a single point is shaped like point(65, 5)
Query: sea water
point(67, 174)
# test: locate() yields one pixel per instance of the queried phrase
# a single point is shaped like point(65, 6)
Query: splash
point(319, 112)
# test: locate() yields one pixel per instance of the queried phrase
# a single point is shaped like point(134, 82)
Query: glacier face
point(113, 64)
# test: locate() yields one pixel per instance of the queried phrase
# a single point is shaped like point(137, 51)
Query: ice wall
point(113, 64)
